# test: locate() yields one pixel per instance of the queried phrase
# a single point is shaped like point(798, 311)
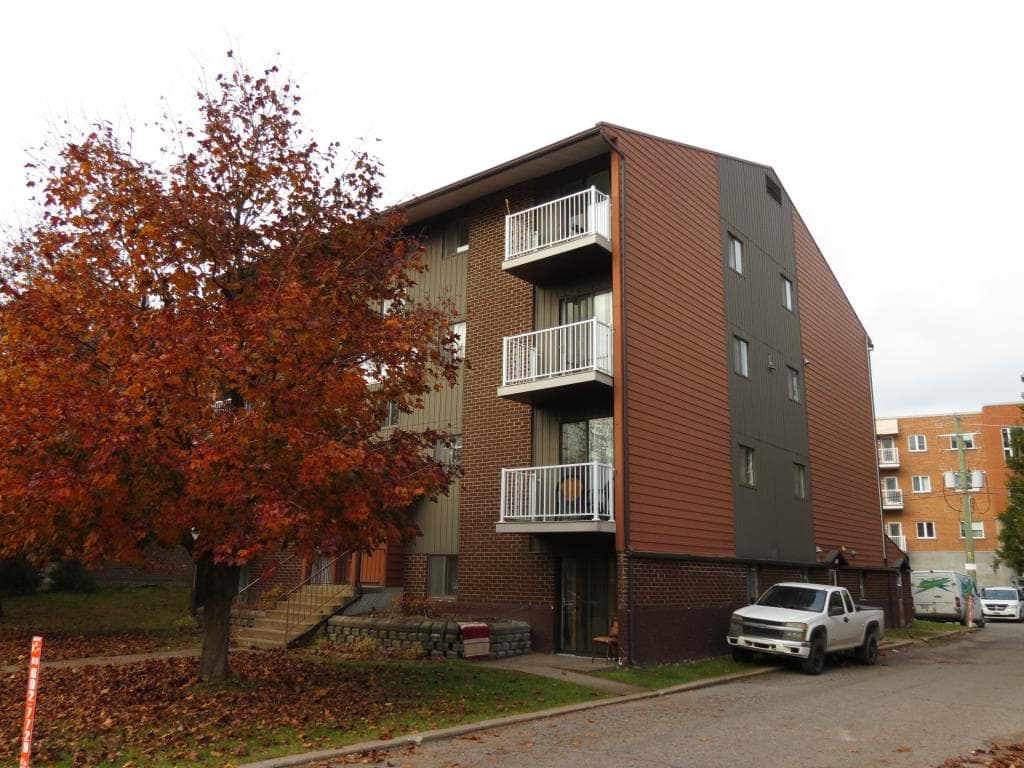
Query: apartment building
point(667, 404)
point(922, 503)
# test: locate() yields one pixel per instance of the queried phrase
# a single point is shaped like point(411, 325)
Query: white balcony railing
point(888, 457)
point(559, 351)
point(892, 498)
point(900, 541)
point(584, 213)
point(560, 493)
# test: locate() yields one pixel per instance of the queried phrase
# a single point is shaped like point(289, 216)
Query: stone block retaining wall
point(435, 637)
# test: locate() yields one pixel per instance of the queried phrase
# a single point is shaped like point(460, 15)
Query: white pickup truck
point(806, 621)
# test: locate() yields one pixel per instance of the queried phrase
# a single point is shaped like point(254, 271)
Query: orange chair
point(608, 641)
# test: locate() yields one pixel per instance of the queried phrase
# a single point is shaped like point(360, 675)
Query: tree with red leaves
point(195, 351)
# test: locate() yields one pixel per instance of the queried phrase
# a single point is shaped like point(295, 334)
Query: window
point(800, 481)
point(835, 604)
point(459, 329)
point(1007, 434)
point(456, 237)
point(793, 384)
point(975, 479)
point(390, 416)
point(773, 189)
point(450, 451)
point(895, 530)
point(921, 484)
point(977, 530)
point(747, 475)
point(735, 254)
point(968, 441)
point(787, 293)
point(586, 441)
point(917, 443)
point(926, 530)
point(442, 576)
point(752, 590)
point(741, 356)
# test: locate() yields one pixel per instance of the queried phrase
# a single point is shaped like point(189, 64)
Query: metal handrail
point(585, 345)
point(300, 605)
point(250, 593)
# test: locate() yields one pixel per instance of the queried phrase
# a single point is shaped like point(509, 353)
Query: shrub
point(19, 577)
point(71, 576)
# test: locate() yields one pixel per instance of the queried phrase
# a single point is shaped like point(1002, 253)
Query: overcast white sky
point(896, 127)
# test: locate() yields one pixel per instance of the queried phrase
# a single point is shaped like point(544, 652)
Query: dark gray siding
point(770, 521)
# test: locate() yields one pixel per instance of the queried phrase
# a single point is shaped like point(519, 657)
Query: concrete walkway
point(571, 669)
point(100, 661)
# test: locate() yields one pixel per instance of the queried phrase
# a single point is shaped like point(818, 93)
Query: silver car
point(1002, 603)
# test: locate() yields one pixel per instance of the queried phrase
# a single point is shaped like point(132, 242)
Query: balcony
point(576, 356)
point(899, 541)
point(888, 458)
point(892, 498)
point(565, 498)
point(553, 241)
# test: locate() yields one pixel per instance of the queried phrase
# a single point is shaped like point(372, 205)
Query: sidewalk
point(571, 669)
point(99, 661)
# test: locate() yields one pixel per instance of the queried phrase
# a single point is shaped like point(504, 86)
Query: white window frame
point(799, 480)
point(978, 526)
point(748, 468)
point(969, 444)
point(894, 529)
point(741, 356)
point(1006, 433)
point(921, 487)
point(735, 248)
point(452, 241)
point(392, 415)
point(459, 347)
point(925, 525)
point(787, 293)
point(912, 443)
point(793, 384)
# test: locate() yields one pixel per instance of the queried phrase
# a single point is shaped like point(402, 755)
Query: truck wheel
point(741, 655)
point(868, 652)
point(815, 661)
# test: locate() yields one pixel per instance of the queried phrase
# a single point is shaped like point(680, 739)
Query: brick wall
point(498, 575)
point(415, 571)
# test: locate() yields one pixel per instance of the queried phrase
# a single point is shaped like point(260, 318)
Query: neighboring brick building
point(667, 406)
point(921, 504)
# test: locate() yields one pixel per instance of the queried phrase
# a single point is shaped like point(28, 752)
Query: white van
point(946, 596)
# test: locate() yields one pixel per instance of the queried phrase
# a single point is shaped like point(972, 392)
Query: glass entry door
point(587, 597)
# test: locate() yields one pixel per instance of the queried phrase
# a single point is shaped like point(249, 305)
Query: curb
point(484, 725)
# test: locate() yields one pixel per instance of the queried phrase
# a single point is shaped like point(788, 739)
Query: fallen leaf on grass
point(903, 749)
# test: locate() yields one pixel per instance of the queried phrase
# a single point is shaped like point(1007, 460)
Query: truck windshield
point(795, 598)
point(995, 593)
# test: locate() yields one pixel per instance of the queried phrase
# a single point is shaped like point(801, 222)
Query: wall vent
point(773, 189)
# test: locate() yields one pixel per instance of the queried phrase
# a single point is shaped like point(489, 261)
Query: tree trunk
point(217, 586)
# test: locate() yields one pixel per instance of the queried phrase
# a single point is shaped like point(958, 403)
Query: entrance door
point(588, 592)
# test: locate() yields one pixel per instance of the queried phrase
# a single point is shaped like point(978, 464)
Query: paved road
point(920, 705)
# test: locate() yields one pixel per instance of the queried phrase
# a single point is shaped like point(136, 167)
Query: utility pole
point(964, 485)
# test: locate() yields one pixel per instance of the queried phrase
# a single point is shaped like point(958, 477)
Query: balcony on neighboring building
point(888, 457)
point(892, 498)
point(552, 241)
point(565, 498)
point(900, 541)
point(536, 366)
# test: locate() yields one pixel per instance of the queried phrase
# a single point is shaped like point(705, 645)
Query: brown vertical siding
point(840, 427)
point(677, 407)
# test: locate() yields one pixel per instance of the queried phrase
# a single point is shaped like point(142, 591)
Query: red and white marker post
point(30, 702)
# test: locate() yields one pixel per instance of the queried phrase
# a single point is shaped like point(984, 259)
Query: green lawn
point(922, 630)
point(154, 714)
point(666, 675)
point(146, 610)
point(107, 623)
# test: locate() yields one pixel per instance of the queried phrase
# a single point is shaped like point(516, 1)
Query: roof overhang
point(554, 157)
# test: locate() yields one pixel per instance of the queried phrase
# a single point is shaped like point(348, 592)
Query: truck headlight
point(735, 625)
point(794, 630)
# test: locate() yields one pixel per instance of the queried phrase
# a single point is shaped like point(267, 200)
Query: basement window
point(442, 576)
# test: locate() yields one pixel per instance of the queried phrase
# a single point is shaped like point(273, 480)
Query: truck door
point(841, 628)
